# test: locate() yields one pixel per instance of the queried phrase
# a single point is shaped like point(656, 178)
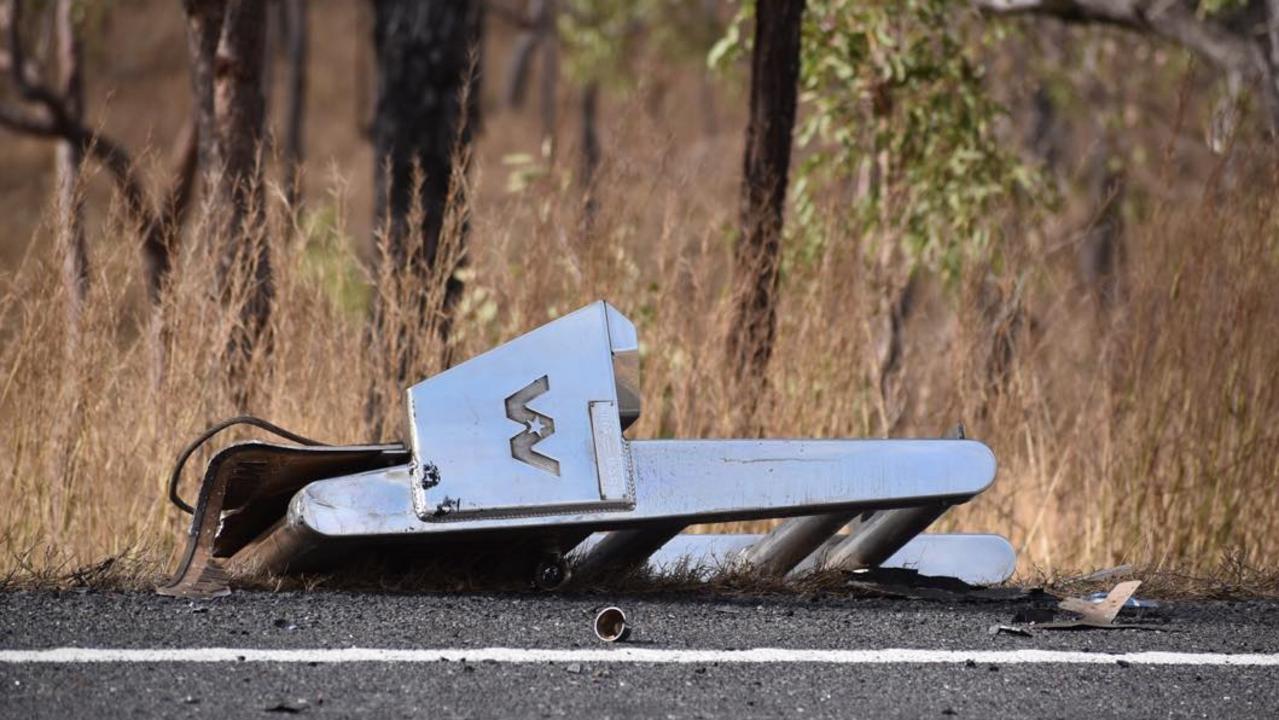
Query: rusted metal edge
point(263, 475)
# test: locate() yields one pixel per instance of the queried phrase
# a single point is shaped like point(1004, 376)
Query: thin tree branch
point(1173, 20)
point(1230, 48)
point(53, 119)
point(23, 122)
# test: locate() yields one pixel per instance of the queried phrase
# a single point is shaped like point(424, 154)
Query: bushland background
point(1059, 231)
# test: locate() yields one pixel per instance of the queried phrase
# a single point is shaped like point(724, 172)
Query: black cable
point(214, 430)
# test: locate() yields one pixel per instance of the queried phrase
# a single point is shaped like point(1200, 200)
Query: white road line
point(625, 655)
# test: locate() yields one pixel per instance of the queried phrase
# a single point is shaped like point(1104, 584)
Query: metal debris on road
point(520, 452)
point(1134, 605)
point(1104, 611)
point(910, 584)
point(1009, 630)
point(610, 625)
point(1095, 613)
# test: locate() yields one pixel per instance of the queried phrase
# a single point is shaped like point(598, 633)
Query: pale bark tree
point(227, 44)
point(57, 113)
point(70, 157)
point(297, 54)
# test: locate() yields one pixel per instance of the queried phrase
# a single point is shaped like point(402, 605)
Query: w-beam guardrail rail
point(519, 453)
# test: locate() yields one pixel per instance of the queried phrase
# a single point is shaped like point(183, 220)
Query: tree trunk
point(239, 112)
point(60, 116)
point(774, 88)
point(590, 154)
point(70, 158)
point(548, 22)
point(204, 27)
point(227, 43)
point(1101, 247)
point(521, 59)
point(298, 50)
point(425, 71)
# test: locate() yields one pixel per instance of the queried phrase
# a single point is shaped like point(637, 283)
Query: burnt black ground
point(331, 620)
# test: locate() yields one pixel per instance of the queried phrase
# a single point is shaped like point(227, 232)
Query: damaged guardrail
point(520, 451)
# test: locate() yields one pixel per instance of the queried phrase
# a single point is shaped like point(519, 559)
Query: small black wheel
point(551, 573)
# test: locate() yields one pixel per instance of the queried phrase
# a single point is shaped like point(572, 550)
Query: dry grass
point(1143, 433)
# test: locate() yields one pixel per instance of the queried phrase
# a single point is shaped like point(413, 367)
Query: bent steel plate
point(245, 491)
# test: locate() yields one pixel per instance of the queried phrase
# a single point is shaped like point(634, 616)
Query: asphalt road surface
point(689, 656)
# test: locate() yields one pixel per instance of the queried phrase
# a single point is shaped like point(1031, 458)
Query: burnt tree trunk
point(774, 87)
point(239, 113)
point(425, 113)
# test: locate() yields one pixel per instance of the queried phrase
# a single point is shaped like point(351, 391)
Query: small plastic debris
point(610, 625)
point(1009, 630)
point(1100, 613)
point(1104, 610)
point(575, 668)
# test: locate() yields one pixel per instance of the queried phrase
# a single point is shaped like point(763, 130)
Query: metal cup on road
point(610, 625)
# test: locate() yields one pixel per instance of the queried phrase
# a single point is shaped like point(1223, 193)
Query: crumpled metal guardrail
point(520, 451)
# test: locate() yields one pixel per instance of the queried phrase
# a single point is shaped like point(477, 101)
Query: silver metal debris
point(522, 449)
point(610, 625)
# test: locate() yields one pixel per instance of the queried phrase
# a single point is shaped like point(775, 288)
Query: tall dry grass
point(1144, 432)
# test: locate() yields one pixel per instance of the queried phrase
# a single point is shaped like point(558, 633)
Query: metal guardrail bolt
point(610, 625)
